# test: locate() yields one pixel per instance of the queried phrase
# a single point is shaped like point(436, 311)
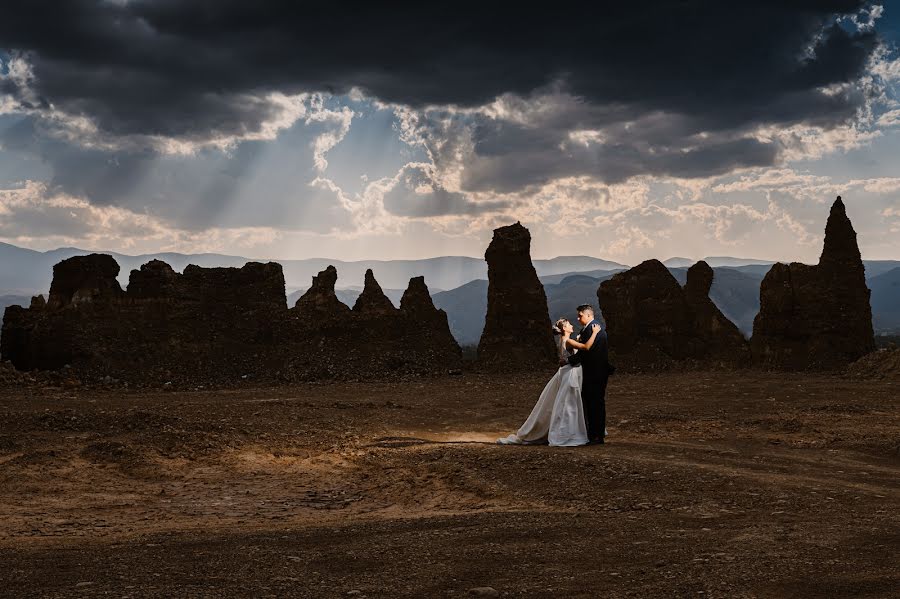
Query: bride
point(558, 415)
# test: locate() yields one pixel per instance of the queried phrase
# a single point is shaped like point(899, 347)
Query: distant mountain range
point(715, 261)
point(458, 284)
point(886, 301)
point(28, 272)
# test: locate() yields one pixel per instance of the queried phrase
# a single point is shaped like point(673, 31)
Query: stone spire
point(372, 300)
point(840, 251)
point(320, 298)
point(816, 316)
point(517, 324)
point(699, 280)
point(416, 298)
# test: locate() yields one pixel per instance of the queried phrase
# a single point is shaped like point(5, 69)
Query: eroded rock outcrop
point(374, 338)
point(220, 326)
point(431, 329)
point(82, 279)
point(416, 300)
point(154, 280)
point(816, 317)
point(517, 325)
point(372, 300)
point(255, 285)
point(653, 322)
point(320, 300)
point(720, 339)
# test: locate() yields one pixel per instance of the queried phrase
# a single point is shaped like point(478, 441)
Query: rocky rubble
point(10, 377)
point(878, 365)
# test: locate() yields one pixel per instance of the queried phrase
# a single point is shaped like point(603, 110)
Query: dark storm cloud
point(187, 69)
point(514, 167)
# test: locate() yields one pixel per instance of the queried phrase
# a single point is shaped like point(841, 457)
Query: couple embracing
point(571, 409)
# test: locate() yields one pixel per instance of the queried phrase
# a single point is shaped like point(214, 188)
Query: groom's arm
point(575, 359)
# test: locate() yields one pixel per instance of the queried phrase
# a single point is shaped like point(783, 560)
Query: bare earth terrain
point(711, 485)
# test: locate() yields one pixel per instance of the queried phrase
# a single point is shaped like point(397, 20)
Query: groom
point(595, 370)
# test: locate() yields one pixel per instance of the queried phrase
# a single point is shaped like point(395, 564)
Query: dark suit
point(595, 374)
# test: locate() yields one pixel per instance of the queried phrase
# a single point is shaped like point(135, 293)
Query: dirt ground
point(710, 485)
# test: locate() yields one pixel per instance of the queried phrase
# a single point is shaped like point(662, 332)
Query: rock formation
point(517, 325)
point(252, 285)
point(375, 337)
point(154, 280)
point(653, 323)
point(720, 341)
point(816, 317)
point(320, 300)
point(221, 326)
point(82, 279)
point(431, 335)
point(18, 343)
point(372, 300)
point(416, 300)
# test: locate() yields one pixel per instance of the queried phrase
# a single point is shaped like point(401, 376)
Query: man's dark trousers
point(593, 398)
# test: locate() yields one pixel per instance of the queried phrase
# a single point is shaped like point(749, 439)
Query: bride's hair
point(558, 327)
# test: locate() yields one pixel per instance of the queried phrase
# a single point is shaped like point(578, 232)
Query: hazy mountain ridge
point(886, 301)
point(715, 261)
point(24, 271)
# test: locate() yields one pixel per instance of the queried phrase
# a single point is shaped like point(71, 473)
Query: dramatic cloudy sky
point(621, 130)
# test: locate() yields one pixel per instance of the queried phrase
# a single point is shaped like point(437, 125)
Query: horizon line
point(275, 259)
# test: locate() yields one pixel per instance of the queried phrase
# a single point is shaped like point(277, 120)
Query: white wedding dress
point(558, 416)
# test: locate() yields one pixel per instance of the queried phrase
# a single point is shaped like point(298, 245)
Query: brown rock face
point(154, 280)
point(720, 341)
point(699, 281)
point(816, 317)
point(220, 326)
point(517, 325)
point(653, 323)
point(416, 299)
point(375, 338)
point(82, 279)
point(372, 300)
point(254, 285)
point(426, 327)
point(320, 299)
